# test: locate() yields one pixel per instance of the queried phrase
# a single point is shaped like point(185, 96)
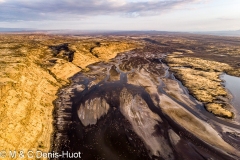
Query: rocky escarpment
point(32, 69)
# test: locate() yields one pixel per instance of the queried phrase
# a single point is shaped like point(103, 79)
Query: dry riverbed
point(133, 108)
point(198, 61)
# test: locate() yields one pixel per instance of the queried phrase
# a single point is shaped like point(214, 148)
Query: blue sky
point(166, 15)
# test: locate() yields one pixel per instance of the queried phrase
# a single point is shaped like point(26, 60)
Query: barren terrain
point(33, 69)
point(199, 64)
point(119, 97)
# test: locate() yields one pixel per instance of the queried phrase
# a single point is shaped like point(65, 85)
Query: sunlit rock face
point(144, 123)
point(133, 108)
point(92, 110)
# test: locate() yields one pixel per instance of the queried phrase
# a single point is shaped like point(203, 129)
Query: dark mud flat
point(134, 108)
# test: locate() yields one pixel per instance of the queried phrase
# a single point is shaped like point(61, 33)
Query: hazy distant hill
point(15, 29)
point(222, 33)
point(118, 32)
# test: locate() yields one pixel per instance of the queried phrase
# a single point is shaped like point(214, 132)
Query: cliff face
point(27, 92)
point(33, 68)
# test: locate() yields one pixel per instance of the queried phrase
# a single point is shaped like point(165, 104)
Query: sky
point(162, 15)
